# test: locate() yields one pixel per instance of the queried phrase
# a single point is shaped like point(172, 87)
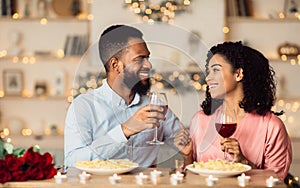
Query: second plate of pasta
point(106, 167)
point(218, 168)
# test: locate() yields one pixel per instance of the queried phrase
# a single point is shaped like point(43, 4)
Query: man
point(115, 121)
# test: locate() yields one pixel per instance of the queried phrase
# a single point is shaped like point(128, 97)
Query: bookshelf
point(50, 51)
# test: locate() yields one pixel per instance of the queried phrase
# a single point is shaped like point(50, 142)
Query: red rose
point(49, 171)
point(13, 163)
point(4, 173)
point(35, 172)
point(32, 158)
point(47, 159)
point(18, 175)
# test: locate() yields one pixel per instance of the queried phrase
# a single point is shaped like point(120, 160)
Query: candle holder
point(271, 181)
point(114, 179)
point(83, 177)
point(243, 180)
point(59, 178)
point(140, 178)
point(210, 180)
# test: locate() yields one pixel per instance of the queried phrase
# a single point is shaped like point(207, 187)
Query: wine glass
point(159, 99)
point(226, 123)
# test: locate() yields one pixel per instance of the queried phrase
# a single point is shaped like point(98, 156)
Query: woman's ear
point(239, 74)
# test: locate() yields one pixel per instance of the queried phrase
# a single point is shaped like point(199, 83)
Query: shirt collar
point(117, 99)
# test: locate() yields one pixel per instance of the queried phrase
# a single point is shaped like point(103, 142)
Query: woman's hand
point(183, 141)
point(232, 146)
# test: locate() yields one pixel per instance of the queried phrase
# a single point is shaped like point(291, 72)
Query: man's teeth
point(212, 86)
point(144, 74)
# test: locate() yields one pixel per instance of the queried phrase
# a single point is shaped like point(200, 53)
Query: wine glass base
point(155, 142)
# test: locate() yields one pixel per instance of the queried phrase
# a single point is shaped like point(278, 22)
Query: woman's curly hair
point(259, 86)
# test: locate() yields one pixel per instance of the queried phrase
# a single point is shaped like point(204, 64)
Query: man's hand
point(147, 117)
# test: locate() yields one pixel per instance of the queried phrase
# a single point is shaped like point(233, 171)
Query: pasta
point(106, 164)
point(219, 164)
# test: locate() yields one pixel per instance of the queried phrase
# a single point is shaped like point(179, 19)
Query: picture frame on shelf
point(13, 82)
point(291, 7)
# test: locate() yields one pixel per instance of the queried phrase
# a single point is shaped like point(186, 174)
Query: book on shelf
point(75, 45)
point(8, 7)
point(236, 8)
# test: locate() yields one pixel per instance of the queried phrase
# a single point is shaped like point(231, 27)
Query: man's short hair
point(113, 40)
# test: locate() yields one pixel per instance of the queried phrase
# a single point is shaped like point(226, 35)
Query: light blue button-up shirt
point(93, 129)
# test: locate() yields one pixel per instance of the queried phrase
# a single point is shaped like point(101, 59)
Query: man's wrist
point(127, 132)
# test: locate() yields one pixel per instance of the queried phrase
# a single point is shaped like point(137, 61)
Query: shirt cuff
point(117, 134)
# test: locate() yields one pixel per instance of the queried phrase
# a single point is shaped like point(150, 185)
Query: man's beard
point(134, 83)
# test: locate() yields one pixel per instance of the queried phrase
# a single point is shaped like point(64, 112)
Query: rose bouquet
point(21, 165)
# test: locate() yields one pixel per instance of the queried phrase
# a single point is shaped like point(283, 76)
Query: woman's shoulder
point(268, 120)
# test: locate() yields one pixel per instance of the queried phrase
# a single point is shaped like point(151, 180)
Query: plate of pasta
point(106, 167)
point(218, 168)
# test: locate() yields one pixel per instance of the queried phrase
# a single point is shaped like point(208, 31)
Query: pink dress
point(263, 140)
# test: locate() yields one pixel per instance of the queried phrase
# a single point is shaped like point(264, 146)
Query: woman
point(240, 79)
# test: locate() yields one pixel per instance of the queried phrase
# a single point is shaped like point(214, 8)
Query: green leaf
point(19, 152)
point(36, 148)
point(2, 154)
point(9, 148)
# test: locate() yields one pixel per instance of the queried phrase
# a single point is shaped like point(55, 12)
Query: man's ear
point(239, 74)
point(114, 64)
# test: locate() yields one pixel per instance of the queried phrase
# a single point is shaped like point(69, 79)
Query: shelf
point(58, 19)
point(263, 20)
point(39, 58)
point(46, 98)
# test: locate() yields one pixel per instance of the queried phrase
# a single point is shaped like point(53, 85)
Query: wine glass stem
point(155, 134)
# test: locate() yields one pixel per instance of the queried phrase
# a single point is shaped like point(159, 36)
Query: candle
point(271, 181)
point(83, 177)
point(114, 179)
point(59, 177)
point(140, 178)
point(210, 180)
point(176, 178)
point(154, 176)
point(243, 180)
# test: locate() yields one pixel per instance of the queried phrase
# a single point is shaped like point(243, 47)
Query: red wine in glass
point(226, 123)
point(225, 129)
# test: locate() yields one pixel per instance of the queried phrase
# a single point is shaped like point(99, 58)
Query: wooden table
point(258, 178)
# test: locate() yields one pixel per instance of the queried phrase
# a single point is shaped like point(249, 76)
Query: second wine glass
point(226, 123)
point(159, 99)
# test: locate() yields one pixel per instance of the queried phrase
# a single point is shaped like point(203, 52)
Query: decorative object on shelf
point(42, 8)
point(75, 7)
point(15, 42)
point(18, 164)
point(165, 11)
point(13, 82)
point(40, 88)
point(291, 8)
point(66, 7)
point(289, 50)
point(60, 83)
point(27, 9)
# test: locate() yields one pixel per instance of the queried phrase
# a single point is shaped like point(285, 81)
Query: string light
point(164, 12)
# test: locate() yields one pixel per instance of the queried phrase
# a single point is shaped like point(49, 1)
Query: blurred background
point(48, 56)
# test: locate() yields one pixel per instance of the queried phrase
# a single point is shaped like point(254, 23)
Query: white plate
point(217, 173)
point(101, 171)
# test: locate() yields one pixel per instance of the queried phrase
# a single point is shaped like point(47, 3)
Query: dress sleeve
point(278, 149)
